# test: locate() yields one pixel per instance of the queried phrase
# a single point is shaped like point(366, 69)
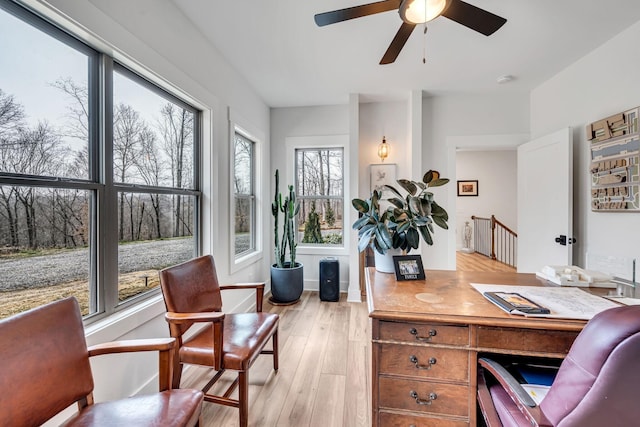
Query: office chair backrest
point(191, 287)
point(598, 381)
point(44, 363)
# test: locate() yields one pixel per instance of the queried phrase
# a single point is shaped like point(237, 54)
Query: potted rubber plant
point(407, 218)
point(286, 273)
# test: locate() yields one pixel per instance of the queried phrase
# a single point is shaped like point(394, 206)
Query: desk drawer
point(426, 333)
point(424, 396)
point(396, 420)
point(528, 340)
point(424, 362)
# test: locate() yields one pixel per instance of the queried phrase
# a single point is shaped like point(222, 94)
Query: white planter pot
point(384, 263)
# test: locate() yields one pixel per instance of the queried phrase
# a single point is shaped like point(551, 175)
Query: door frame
point(476, 143)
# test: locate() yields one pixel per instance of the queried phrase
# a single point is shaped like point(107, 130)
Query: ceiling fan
point(414, 12)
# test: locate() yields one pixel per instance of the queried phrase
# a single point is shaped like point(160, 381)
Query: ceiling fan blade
point(340, 15)
point(473, 17)
point(397, 43)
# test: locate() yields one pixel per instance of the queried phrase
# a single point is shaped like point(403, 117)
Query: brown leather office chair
point(597, 383)
point(192, 294)
point(45, 368)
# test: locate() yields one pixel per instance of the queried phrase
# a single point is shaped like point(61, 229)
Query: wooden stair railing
point(495, 240)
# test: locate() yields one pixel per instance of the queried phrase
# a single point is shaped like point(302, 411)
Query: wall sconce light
point(383, 150)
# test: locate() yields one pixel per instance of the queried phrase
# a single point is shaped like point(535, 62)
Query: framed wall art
point(382, 174)
point(468, 188)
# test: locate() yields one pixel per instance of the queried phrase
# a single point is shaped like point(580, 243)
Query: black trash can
point(329, 279)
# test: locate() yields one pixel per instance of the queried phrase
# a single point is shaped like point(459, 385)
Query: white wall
point(375, 120)
point(391, 120)
point(291, 124)
point(483, 121)
point(153, 37)
point(603, 83)
point(478, 120)
point(496, 172)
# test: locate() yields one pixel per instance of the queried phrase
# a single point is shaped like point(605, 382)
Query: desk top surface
point(447, 296)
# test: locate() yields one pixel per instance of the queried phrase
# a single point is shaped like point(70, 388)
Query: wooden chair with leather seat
point(45, 369)
point(597, 383)
point(233, 341)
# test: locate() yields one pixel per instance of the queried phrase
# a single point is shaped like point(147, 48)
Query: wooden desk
point(426, 336)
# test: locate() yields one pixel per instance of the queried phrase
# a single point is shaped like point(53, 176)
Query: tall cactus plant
point(289, 207)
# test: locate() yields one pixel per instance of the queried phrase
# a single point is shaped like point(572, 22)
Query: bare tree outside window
point(51, 180)
point(320, 190)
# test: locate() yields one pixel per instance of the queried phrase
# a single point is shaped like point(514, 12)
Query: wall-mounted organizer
point(615, 172)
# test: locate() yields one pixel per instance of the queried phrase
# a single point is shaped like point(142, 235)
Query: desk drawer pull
point(432, 333)
point(414, 360)
point(432, 397)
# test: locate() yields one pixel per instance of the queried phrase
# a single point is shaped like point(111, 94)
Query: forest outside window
point(320, 190)
point(73, 169)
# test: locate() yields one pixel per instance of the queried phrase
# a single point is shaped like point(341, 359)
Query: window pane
point(243, 166)
point(155, 231)
point(152, 137)
point(319, 172)
point(44, 247)
point(44, 123)
point(320, 221)
point(245, 239)
point(244, 227)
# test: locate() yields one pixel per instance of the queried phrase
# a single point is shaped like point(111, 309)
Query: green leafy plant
point(330, 215)
point(407, 218)
point(312, 230)
point(289, 207)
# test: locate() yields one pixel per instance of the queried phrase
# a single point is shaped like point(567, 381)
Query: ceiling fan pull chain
point(424, 45)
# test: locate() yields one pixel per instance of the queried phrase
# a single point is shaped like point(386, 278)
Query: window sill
point(121, 323)
point(244, 261)
point(322, 250)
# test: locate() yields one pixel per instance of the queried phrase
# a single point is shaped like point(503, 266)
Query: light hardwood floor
point(477, 262)
point(324, 375)
point(324, 378)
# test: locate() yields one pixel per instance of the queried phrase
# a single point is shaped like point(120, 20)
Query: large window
point(320, 191)
point(244, 195)
point(97, 173)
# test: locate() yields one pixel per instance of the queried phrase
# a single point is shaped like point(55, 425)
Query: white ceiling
point(289, 61)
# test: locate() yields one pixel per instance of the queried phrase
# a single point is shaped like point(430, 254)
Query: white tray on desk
point(564, 281)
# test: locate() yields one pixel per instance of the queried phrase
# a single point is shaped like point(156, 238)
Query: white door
point(545, 201)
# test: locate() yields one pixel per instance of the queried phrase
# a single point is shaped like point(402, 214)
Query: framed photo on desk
point(408, 267)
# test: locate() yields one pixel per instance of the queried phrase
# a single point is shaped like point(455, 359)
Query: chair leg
point(243, 397)
point(275, 350)
point(177, 373)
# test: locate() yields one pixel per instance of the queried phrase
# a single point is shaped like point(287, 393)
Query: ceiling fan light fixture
point(421, 11)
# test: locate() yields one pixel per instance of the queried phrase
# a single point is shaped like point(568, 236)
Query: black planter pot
point(286, 284)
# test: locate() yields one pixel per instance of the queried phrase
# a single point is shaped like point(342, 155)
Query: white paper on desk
point(564, 302)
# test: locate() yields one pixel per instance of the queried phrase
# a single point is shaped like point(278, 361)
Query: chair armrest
point(216, 318)
point(164, 347)
point(256, 285)
point(510, 384)
point(518, 395)
point(485, 402)
point(158, 344)
point(259, 287)
point(209, 316)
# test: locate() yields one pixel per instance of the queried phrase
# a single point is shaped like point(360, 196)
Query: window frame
point(250, 196)
point(237, 125)
point(103, 247)
point(293, 144)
